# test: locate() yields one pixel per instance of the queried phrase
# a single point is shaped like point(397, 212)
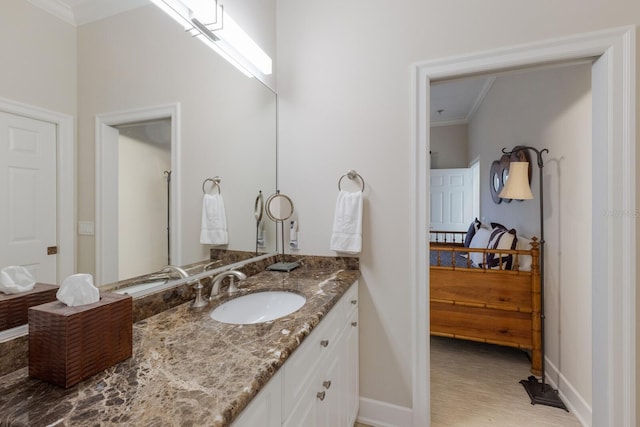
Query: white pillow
point(501, 238)
point(480, 240)
point(524, 261)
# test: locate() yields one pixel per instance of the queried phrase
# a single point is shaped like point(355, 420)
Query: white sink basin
point(258, 307)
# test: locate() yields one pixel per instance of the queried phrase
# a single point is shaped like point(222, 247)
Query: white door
point(451, 199)
point(28, 195)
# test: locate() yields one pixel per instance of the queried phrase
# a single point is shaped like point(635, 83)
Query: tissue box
point(14, 308)
point(70, 344)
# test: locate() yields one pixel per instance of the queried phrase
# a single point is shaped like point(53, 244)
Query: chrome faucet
point(175, 269)
point(215, 289)
point(199, 301)
point(210, 265)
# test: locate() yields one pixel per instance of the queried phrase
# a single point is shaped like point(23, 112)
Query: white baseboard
point(381, 414)
point(569, 395)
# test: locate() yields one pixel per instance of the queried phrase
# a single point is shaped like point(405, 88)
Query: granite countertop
point(186, 368)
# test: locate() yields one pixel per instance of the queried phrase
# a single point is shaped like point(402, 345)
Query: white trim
point(375, 413)
point(576, 404)
point(164, 111)
point(449, 123)
point(483, 93)
point(66, 176)
point(614, 340)
point(57, 9)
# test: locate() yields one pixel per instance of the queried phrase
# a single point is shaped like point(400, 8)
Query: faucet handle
point(232, 285)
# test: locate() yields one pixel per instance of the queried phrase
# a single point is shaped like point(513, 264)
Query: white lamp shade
point(517, 186)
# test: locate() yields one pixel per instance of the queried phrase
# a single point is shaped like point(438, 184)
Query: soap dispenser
point(293, 234)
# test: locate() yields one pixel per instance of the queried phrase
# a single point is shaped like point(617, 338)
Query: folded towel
point(214, 221)
point(15, 279)
point(347, 224)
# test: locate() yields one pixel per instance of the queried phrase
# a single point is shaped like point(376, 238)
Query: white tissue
point(15, 279)
point(78, 289)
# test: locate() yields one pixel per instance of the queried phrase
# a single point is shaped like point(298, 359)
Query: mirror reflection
point(173, 114)
point(215, 122)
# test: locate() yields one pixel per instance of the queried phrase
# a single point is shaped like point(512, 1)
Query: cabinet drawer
point(351, 301)
point(302, 365)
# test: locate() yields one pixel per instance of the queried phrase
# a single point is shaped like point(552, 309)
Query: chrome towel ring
point(352, 175)
point(216, 183)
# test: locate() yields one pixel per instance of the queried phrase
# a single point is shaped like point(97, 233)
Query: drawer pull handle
point(320, 395)
point(326, 384)
point(324, 343)
point(354, 301)
point(354, 324)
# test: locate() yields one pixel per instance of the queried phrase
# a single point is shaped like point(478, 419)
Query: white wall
point(549, 109)
point(449, 147)
point(142, 200)
point(227, 120)
point(38, 57)
point(345, 88)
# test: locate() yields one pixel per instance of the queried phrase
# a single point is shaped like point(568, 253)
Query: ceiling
point(451, 102)
point(78, 12)
point(456, 102)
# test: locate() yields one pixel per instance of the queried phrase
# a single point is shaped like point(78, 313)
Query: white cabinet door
point(352, 394)
point(305, 412)
point(265, 410)
point(330, 385)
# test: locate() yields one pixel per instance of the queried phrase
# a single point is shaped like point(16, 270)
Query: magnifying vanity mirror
point(279, 208)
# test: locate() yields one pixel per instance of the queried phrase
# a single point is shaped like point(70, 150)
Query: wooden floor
point(477, 385)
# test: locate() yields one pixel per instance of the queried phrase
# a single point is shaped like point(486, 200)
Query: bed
point(496, 301)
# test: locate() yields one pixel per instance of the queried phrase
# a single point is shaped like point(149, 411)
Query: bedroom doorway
point(546, 107)
point(613, 189)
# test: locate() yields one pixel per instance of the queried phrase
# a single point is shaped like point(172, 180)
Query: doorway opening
point(144, 193)
point(548, 108)
point(136, 192)
point(612, 265)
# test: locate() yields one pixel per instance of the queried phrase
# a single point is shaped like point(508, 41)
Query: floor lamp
point(517, 187)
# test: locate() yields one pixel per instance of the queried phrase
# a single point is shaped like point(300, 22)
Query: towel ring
point(216, 183)
point(351, 174)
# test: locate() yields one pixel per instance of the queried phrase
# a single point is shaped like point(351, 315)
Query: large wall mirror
point(159, 100)
point(173, 105)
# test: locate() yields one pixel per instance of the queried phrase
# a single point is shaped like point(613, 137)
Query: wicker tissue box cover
point(14, 307)
point(70, 344)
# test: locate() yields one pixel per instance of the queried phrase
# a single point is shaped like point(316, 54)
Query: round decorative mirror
point(495, 185)
point(279, 207)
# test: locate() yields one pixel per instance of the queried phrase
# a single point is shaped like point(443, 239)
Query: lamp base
point(542, 394)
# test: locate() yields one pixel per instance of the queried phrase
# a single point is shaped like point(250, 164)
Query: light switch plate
point(86, 228)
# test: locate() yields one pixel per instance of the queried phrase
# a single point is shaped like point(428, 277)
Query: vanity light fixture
point(206, 20)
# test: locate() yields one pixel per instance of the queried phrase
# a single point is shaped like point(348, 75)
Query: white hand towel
point(347, 224)
point(214, 221)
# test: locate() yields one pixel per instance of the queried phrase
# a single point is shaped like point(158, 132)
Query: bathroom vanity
point(188, 369)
